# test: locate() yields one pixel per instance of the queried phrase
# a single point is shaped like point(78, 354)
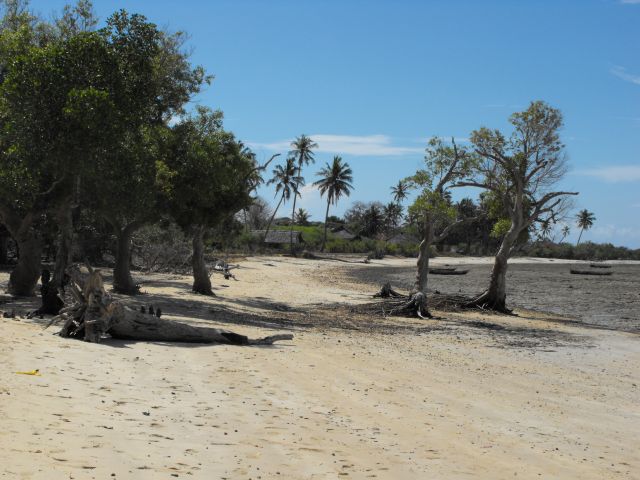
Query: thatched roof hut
point(278, 237)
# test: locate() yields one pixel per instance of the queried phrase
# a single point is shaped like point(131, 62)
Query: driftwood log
point(95, 315)
point(575, 271)
point(447, 271)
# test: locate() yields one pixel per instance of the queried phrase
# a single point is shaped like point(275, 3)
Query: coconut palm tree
point(287, 182)
point(335, 181)
point(585, 220)
point(565, 232)
point(392, 214)
point(400, 191)
point(302, 150)
point(302, 217)
point(545, 229)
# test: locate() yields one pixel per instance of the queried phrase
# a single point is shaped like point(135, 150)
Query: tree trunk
point(293, 211)
point(579, 237)
point(201, 280)
point(418, 300)
point(494, 298)
point(4, 248)
point(266, 232)
point(422, 275)
point(122, 281)
point(95, 315)
point(24, 277)
point(65, 236)
point(324, 237)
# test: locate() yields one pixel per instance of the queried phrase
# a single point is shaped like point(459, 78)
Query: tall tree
point(392, 215)
point(152, 82)
point(302, 217)
point(520, 172)
point(302, 150)
point(545, 228)
point(205, 175)
point(585, 220)
point(287, 182)
point(566, 230)
point(54, 108)
point(445, 164)
point(400, 191)
point(335, 181)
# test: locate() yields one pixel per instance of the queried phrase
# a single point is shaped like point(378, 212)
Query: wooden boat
point(447, 271)
point(576, 271)
point(599, 265)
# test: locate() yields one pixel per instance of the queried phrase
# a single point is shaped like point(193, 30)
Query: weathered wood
point(447, 271)
point(575, 271)
point(96, 315)
point(387, 291)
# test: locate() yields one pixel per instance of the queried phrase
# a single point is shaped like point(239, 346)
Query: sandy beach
point(467, 396)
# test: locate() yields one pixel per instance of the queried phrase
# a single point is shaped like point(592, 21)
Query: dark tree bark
point(201, 280)
point(4, 246)
point(24, 277)
point(65, 236)
point(122, 280)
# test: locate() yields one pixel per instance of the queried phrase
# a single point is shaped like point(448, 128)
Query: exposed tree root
point(486, 301)
point(386, 291)
point(415, 306)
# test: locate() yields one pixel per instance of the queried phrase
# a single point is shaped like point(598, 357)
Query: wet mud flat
point(604, 301)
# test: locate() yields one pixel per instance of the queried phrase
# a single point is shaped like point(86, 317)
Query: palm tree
point(286, 181)
point(565, 231)
point(335, 181)
point(302, 217)
point(585, 222)
point(392, 215)
point(400, 191)
point(302, 149)
point(545, 229)
point(373, 220)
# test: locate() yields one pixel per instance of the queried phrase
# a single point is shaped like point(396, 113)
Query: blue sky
point(372, 80)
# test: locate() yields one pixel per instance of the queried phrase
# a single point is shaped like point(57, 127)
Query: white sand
point(444, 404)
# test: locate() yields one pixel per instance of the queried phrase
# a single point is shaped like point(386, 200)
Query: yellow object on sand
point(30, 372)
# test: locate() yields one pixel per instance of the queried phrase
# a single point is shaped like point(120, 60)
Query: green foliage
point(500, 228)
point(584, 251)
point(445, 165)
point(335, 180)
point(204, 172)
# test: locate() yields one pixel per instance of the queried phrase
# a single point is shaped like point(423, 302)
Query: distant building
point(404, 239)
point(280, 237)
point(344, 234)
point(280, 221)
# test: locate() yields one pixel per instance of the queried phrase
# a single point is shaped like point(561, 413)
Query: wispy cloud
point(614, 174)
point(365, 145)
point(622, 73)
point(609, 232)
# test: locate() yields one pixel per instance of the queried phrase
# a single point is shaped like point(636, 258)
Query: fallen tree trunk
point(95, 314)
